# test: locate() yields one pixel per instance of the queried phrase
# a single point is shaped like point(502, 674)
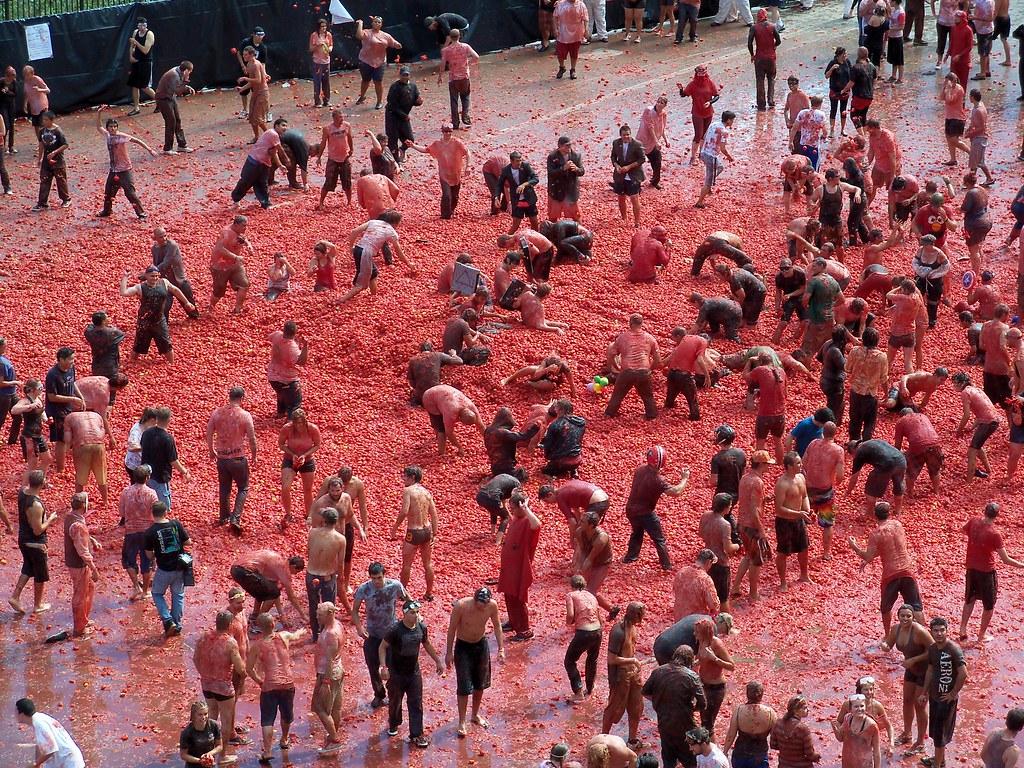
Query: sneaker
point(392, 732)
point(103, 215)
point(360, 100)
point(585, 42)
point(377, 703)
point(185, 150)
point(38, 208)
point(603, 39)
point(142, 216)
point(66, 204)
point(561, 73)
point(170, 151)
point(239, 741)
point(8, 191)
point(572, 72)
point(243, 114)
point(422, 742)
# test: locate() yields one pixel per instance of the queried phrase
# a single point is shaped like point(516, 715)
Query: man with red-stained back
point(632, 356)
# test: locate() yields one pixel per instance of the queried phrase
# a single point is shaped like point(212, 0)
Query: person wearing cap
point(651, 134)
point(676, 695)
point(453, 160)
point(256, 42)
point(379, 594)
point(727, 467)
point(154, 293)
point(647, 487)
point(468, 650)
point(403, 96)
point(648, 255)
point(792, 513)
point(521, 179)
point(442, 26)
point(400, 670)
point(564, 167)
point(373, 57)
point(693, 590)
point(984, 542)
point(824, 468)
point(516, 564)
point(936, 218)
point(456, 57)
point(330, 675)
point(749, 521)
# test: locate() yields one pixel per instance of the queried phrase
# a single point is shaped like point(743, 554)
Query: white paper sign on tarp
point(38, 42)
point(340, 14)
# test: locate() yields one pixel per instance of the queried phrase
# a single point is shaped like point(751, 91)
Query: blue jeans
point(163, 491)
point(175, 581)
point(322, 82)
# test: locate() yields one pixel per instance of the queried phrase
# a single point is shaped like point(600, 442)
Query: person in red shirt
point(704, 93)
point(924, 447)
point(984, 542)
point(452, 161)
point(986, 422)
point(648, 253)
point(683, 363)
point(770, 381)
point(936, 218)
point(762, 40)
point(632, 356)
point(961, 41)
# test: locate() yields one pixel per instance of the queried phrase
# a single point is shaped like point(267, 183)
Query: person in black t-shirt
point(790, 282)
point(62, 397)
point(887, 464)
point(161, 453)
point(492, 496)
point(105, 341)
point(727, 467)
point(443, 24)
point(946, 675)
point(296, 149)
point(199, 743)
point(52, 167)
point(402, 672)
point(256, 41)
point(166, 541)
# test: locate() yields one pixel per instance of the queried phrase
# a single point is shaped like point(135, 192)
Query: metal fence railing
point(27, 9)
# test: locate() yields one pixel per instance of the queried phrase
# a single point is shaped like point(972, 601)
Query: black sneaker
point(561, 73)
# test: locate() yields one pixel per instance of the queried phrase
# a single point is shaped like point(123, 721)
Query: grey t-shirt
point(680, 633)
point(380, 605)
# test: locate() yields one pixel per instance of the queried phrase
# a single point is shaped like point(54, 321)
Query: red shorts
point(572, 50)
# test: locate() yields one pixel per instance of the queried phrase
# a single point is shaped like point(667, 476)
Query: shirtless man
point(529, 305)
point(792, 513)
point(263, 574)
point(750, 508)
point(218, 660)
point(468, 651)
point(801, 234)
point(375, 193)
point(610, 752)
point(326, 558)
point(227, 263)
point(625, 685)
point(907, 304)
point(537, 251)
point(330, 675)
point(446, 406)
point(824, 468)
point(338, 496)
point(910, 384)
point(727, 244)
point(420, 514)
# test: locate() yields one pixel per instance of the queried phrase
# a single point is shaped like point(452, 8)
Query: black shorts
point(489, 503)
point(368, 72)
point(878, 482)
point(941, 721)
point(57, 428)
point(157, 333)
point(903, 341)
point(350, 536)
point(905, 586)
point(997, 387)
point(769, 425)
point(981, 585)
point(255, 584)
point(984, 43)
point(623, 185)
point(437, 422)
point(308, 468)
point(721, 576)
point(954, 127)
point(1001, 27)
point(35, 564)
point(211, 696)
point(894, 51)
point(634, 5)
point(982, 433)
point(917, 678)
point(472, 667)
point(599, 508)
point(336, 171)
point(272, 702)
point(792, 307)
point(33, 445)
point(790, 536)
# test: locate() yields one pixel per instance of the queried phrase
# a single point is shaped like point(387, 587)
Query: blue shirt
point(7, 369)
point(804, 432)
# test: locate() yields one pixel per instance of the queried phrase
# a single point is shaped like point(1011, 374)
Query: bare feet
point(137, 594)
point(480, 720)
point(16, 605)
point(783, 587)
point(463, 730)
point(42, 608)
point(807, 579)
point(985, 638)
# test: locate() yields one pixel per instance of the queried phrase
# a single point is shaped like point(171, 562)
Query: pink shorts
point(572, 50)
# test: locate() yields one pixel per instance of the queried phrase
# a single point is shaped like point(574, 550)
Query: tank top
point(151, 303)
point(909, 649)
point(750, 745)
point(139, 55)
point(831, 211)
point(71, 557)
point(588, 546)
point(324, 275)
point(25, 533)
point(32, 424)
point(996, 752)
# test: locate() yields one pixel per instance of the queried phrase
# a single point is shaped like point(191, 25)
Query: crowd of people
point(827, 323)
